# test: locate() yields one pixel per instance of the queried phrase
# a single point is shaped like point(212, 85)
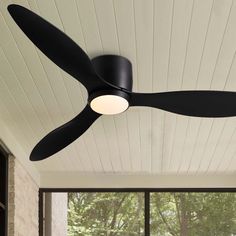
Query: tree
point(105, 214)
point(191, 214)
point(172, 214)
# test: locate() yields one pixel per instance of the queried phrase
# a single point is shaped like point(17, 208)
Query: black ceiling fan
point(108, 80)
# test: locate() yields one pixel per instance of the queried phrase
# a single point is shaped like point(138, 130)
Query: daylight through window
point(139, 213)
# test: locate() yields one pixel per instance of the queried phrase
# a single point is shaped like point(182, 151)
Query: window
point(190, 214)
point(3, 193)
point(140, 212)
point(102, 213)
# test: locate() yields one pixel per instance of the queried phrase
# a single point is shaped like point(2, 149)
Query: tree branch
point(172, 232)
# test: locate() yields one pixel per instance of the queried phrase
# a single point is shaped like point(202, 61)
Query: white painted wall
point(59, 214)
point(76, 180)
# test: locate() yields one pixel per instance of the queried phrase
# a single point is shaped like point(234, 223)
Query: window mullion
point(147, 213)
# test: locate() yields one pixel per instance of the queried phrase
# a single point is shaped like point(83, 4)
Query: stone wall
point(22, 202)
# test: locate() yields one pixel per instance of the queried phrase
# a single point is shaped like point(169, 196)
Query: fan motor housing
point(114, 69)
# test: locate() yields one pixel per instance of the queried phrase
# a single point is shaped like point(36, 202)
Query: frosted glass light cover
point(109, 104)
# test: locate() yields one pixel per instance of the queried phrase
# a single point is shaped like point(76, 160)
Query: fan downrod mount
point(114, 69)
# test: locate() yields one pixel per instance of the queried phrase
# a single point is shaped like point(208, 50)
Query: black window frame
point(4, 154)
point(146, 192)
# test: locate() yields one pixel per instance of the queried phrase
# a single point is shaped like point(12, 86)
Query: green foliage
point(105, 214)
point(193, 214)
point(172, 214)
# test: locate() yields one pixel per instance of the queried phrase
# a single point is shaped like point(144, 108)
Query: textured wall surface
point(59, 214)
point(23, 201)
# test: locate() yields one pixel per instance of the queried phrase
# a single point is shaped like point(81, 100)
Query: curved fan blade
point(190, 103)
point(64, 135)
point(57, 46)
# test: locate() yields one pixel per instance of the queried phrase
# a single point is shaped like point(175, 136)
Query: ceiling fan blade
point(57, 46)
point(64, 135)
point(190, 103)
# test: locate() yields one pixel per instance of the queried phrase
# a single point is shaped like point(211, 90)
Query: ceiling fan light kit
point(117, 71)
point(109, 102)
point(108, 81)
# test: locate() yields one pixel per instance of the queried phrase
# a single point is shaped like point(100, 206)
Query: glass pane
point(2, 179)
point(106, 214)
point(193, 214)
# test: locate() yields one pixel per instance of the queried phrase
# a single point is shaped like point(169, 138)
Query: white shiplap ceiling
point(173, 45)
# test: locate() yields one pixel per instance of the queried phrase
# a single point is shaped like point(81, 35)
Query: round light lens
point(109, 104)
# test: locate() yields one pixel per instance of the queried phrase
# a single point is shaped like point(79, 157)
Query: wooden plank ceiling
point(173, 45)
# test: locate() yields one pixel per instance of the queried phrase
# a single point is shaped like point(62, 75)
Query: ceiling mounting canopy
point(108, 81)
